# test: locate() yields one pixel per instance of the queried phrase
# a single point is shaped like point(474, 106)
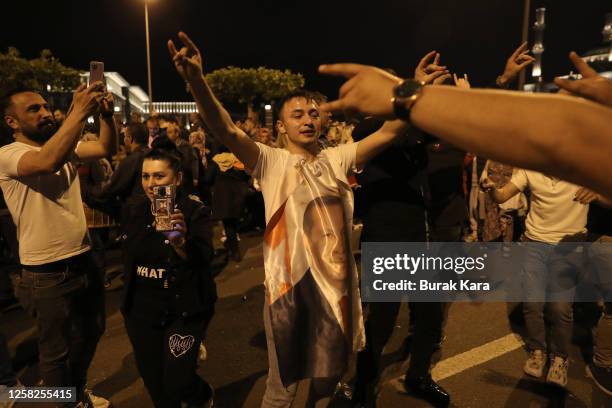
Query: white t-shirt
point(290, 186)
point(553, 213)
point(273, 163)
point(47, 209)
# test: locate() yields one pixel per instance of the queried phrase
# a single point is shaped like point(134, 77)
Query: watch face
point(407, 88)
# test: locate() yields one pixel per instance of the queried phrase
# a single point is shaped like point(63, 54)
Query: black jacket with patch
point(191, 290)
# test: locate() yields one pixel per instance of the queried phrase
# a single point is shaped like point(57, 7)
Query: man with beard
point(59, 284)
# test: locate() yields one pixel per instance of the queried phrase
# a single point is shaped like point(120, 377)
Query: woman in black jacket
point(169, 291)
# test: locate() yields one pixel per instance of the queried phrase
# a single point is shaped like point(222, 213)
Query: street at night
point(276, 204)
point(480, 362)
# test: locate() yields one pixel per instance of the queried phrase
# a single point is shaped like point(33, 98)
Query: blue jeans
point(66, 299)
point(550, 273)
point(600, 260)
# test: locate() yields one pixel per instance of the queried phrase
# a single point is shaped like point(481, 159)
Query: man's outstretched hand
point(187, 60)
point(592, 85)
point(585, 196)
point(368, 90)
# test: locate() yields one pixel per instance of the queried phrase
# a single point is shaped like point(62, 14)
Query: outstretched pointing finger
point(346, 70)
point(334, 106)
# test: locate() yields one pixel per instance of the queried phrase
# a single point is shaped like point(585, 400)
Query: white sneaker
point(557, 373)
point(4, 395)
point(95, 401)
point(534, 366)
point(4, 390)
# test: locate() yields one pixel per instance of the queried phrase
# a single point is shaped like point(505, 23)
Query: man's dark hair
point(5, 102)
point(5, 97)
point(169, 118)
point(139, 133)
point(298, 93)
point(152, 119)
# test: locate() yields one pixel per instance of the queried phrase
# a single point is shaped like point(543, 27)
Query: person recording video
point(169, 293)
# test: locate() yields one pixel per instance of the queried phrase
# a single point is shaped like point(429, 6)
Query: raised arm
point(188, 63)
point(517, 62)
point(374, 144)
point(428, 71)
point(106, 144)
point(56, 151)
point(499, 195)
point(562, 136)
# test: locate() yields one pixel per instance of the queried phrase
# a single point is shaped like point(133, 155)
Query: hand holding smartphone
point(163, 207)
point(96, 72)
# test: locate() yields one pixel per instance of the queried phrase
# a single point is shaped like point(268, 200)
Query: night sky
point(473, 36)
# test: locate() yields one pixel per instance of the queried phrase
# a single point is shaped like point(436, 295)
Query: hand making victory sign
point(592, 85)
point(188, 60)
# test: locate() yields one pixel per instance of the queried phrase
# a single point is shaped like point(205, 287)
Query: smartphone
point(163, 206)
point(96, 72)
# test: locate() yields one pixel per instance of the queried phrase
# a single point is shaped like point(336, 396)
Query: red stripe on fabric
point(276, 230)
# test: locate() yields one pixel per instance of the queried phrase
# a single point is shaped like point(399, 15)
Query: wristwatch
point(404, 97)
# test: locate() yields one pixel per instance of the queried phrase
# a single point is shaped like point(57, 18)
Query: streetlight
point(146, 8)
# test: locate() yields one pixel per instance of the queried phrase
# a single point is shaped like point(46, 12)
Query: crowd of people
point(429, 160)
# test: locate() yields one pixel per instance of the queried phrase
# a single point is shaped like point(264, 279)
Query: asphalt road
point(480, 363)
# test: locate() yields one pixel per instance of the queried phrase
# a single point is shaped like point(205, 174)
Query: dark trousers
point(66, 299)
point(9, 256)
point(427, 332)
point(231, 229)
point(397, 222)
point(231, 233)
point(167, 360)
point(7, 375)
point(8, 236)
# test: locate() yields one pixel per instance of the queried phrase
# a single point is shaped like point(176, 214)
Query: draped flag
point(311, 276)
